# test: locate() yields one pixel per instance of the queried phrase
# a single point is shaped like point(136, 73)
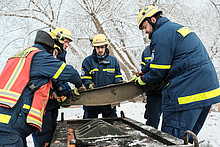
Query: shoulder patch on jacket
point(152, 55)
point(184, 31)
point(82, 72)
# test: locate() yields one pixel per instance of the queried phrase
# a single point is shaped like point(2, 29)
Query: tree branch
point(27, 16)
point(42, 11)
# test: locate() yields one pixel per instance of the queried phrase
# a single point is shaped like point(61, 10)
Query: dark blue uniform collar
point(160, 22)
point(39, 47)
point(105, 60)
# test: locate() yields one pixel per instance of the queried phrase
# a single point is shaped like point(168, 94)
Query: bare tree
point(112, 18)
point(117, 19)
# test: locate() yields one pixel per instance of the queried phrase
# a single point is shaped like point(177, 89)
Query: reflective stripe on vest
point(15, 76)
point(34, 117)
point(41, 96)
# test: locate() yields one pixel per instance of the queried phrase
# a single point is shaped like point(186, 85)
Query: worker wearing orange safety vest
point(62, 37)
point(25, 89)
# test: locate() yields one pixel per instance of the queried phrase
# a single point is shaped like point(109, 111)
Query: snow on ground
point(209, 135)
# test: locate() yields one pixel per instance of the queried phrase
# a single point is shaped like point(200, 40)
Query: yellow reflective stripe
point(9, 94)
point(35, 112)
point(59, 71)
point(184, 31)
point(15, 74)
point(95, 69)
point(143, 63)
point(86, 77)
point(109, 69)
point(44, 104)
point(8, 102)
point(4, 118)
point(147, 58)
point(160, 66)
point(34, 121)
point(199, 96)
point(26, 106)
point(118, 76)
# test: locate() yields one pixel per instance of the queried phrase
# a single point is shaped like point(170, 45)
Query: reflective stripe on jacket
point(100, 72)
point(146, 58)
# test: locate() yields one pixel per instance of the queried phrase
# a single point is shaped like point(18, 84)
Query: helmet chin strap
point(150, 22)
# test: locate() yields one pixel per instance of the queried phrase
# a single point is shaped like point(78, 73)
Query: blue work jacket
point(145, 67)
point(180, 59)
point(43, 68)
point(101, 72)
point(145, 60)
point(52, 103)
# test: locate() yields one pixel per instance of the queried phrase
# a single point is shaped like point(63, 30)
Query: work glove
point(76, 90)
point(133, 78)
point(139, 82)
point(60, 99)
point(121, 81)
point(136, 76)
point(62, 88)
point(91, 85)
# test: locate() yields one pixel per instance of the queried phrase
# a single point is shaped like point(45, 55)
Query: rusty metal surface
point(139, 135)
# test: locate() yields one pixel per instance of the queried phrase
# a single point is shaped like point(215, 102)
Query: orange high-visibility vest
point(14, 78)
point(41, 96)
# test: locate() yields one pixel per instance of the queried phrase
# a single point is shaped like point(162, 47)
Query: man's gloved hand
point(139, 82)
point(140, 73)
point(60, 99)
point(121, 81)
point(76, 90)
point(91, 85)
point(62, 88)
point(133, 78)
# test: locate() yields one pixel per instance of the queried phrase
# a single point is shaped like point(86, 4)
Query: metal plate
point(140, 135)
point(112, 94)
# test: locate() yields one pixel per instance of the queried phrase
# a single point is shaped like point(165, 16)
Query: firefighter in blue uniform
point(21, 117)
point(62, 38)
point(154, 97)
point(100, 69)
point(180, 59)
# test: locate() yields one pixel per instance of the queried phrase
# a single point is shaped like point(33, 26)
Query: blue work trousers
point(43, 139)
point(176, 123)
point(11, 140)
point(94, 111)
point(153, 109)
